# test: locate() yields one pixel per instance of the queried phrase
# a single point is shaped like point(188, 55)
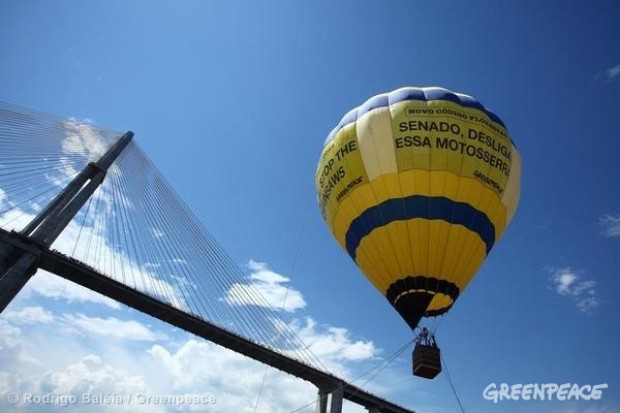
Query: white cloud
point(333, 343)
point(332, 346)
point(112, 327)
point(568, 282)
point(200, 367)
point(10, 335)
point(84, 138)
point(73, 386)
point(612, 72)
point(610, 225)
point(563, 281)
point(609, 74)
point(15, 219)
point(81, 376)
point(84, 364)
point(64, 170)
point(157, 233)
point(30, 315)
point(265, 289)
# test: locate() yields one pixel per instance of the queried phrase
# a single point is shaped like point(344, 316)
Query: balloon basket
point(426, 361)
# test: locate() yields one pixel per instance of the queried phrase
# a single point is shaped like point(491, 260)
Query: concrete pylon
point(321, 402)
point(337, 398)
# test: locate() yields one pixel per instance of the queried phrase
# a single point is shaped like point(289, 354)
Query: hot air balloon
point(417, 185)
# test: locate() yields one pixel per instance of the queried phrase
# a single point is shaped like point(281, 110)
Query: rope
point(447, 374)
point(260, 389)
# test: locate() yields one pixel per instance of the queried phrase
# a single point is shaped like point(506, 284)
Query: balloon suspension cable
point(301, 239)
point(437, 322)
point(447, 374)
point(379, 369)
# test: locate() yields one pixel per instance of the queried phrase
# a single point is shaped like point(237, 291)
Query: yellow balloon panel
point(419, 182)
point(417, 186)
point(380, 254)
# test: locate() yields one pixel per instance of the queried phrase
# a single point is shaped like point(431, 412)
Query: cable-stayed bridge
point(86, 204)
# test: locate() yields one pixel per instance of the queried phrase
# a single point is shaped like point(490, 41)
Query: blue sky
point(232, 101)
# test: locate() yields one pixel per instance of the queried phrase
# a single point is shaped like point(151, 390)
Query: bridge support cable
point(41, 154)
point(161, 248)
point(134, 227)
point(51, 221)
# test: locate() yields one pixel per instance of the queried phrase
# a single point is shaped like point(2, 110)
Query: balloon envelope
point(417, 185)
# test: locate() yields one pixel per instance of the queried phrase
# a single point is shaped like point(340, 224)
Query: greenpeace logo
point(547, 391)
